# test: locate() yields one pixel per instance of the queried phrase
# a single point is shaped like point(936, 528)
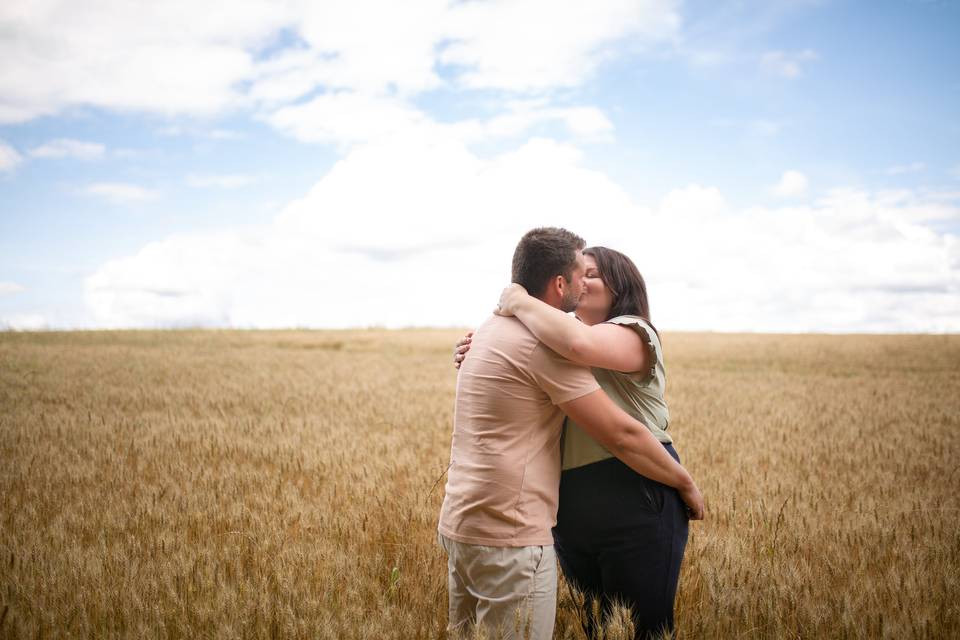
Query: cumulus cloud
point(66, 147)
point(787, 64)
point(370, 46)
point(346, 118)
point(312, 69)
point(118, 55)
point(792, 184)
point(533, 45)
point(850, 260)
point(349, 118)
point(9, 157)
point(120, 193)
point(416, 229)
point(587, 123)
point(523, 46)
point(390, 236)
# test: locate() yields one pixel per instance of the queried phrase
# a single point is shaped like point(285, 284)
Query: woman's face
point(597, 299)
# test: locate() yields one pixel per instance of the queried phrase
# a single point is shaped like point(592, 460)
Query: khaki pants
point(510, 591)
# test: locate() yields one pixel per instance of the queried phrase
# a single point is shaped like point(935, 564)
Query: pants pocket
point(651, 495)
point(537, 557)
point(442, 541)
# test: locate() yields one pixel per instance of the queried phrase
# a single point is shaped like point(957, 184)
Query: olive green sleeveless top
point(640, 394)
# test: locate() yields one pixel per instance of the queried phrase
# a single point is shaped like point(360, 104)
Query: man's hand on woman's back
point(461, 348)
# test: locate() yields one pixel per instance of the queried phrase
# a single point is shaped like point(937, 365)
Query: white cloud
point(289, 75)
point(120, 193)
point(358, 64)
point(23, 322)
point(140, 56)
point(587, 123)
point(584, 121)
point(534, 45)
point(415, 229)
point(847, 262)
point(234, 181)
point(792, 184)
point(940, 195)
point(9, 157)
point(788, 65)
point(707, 202)
point(368, 46)
point(65, 147)
point(349, 118)
point(389, 236)
point(525, 45)
point(10, 287)
point(346, 118)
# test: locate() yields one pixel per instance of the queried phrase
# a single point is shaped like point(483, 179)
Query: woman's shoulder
point(639, 323)
point(651, 341)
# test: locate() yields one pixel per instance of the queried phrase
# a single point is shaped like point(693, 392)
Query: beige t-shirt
point(504, 476)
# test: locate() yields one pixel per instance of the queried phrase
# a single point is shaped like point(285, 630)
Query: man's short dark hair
point(542, 254)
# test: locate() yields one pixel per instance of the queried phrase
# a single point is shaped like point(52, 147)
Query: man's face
point(574, 289)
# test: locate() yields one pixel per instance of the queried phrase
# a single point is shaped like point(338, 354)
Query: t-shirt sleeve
point(559, 378)
point(650, 343)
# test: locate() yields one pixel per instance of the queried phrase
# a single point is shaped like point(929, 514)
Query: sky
point(770, 165)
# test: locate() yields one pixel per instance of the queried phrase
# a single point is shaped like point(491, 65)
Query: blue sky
point(770, 166)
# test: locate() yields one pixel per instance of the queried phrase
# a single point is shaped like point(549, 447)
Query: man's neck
point(551, 298)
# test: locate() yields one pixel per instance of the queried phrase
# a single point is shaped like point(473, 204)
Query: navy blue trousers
point(620, 538)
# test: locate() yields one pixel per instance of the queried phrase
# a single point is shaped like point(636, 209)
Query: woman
point(620, 537)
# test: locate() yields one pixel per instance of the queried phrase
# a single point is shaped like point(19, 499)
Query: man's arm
point(633, 443)
point(607, 346)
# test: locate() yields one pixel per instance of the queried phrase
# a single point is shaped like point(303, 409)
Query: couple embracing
point(560, 450)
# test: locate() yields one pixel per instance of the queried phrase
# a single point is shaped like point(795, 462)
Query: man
point(503, 481)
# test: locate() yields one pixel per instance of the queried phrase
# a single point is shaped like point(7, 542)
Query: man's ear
point(556, 285)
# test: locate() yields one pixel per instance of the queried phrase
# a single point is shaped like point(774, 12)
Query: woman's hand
point(509, 299)
point(460, 350)
point(693, 499)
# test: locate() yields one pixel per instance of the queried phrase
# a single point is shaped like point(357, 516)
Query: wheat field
point(230, 484)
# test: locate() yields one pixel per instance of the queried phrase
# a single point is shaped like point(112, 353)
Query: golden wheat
point(230, 484)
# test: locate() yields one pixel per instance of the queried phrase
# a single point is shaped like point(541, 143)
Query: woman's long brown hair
point(625, 283)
